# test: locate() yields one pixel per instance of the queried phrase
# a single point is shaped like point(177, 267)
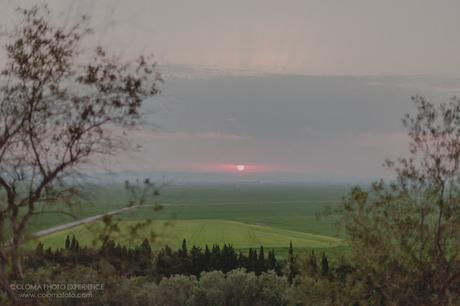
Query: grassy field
point(200, 233)
point(245, 215)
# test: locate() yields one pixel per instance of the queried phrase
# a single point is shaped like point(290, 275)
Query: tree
point(67, 242)
point(197, 261)
point(271, 261)
point(261, 265)
point(58, 109)
point(74, 245)
point(183, 252)
point(274, 290)
point(145, 247)
point(207, 256)
point(324, 265)
point(176, 290)
point(215, 257)
point(211, 289)
point(291, 269)
point(404, 234)
point(241, 288)
point(312, 264)
point(229, 259)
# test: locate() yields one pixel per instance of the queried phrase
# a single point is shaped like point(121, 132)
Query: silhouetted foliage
point(403, 233)
point(324, 265)
point(59, 107)
point(291, 268)
point(143, 261)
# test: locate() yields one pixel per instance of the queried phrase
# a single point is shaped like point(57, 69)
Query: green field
point(200, 233)
point(246, 215)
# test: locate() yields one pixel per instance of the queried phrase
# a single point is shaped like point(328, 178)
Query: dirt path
point(91, 219)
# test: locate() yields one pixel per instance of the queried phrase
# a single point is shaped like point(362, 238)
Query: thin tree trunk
point(16, 269)
point(5, 279)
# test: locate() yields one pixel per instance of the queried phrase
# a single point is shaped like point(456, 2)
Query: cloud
point(205, 135)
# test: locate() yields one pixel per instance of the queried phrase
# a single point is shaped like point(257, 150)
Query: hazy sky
point(329, 107)
point(306, 36)
point(312, 127)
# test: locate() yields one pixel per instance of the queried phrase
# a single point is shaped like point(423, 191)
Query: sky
point(303, 90)
point(301, 36)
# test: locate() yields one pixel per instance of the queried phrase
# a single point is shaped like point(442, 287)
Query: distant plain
point(242, 214)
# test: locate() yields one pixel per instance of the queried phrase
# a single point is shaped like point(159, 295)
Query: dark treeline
point(141, 260)
point(197, 260)
point(216, 275)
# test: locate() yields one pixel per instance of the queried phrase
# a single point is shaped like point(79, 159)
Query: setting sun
point(240, 168)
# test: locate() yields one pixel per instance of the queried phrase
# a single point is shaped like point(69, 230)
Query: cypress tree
point(271, 262)
point(67, 242)
point(291, 269)
point(197, 262)
point(242, 261)
point(163, 261)
point(324, 265)
point(183, 250)
point(291, 250)
point(184, 265)
point(254, 256)
point(145, 246)
point(207, 259)
point(249, 263)
point(253, 260)
point(73, 244)
point(261, 260)
point(215, 257)
point(312, 263)
point(229, 259)
point(261, 254)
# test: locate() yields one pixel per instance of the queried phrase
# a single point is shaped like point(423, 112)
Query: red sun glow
point(235, 168)
point(240, 168)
